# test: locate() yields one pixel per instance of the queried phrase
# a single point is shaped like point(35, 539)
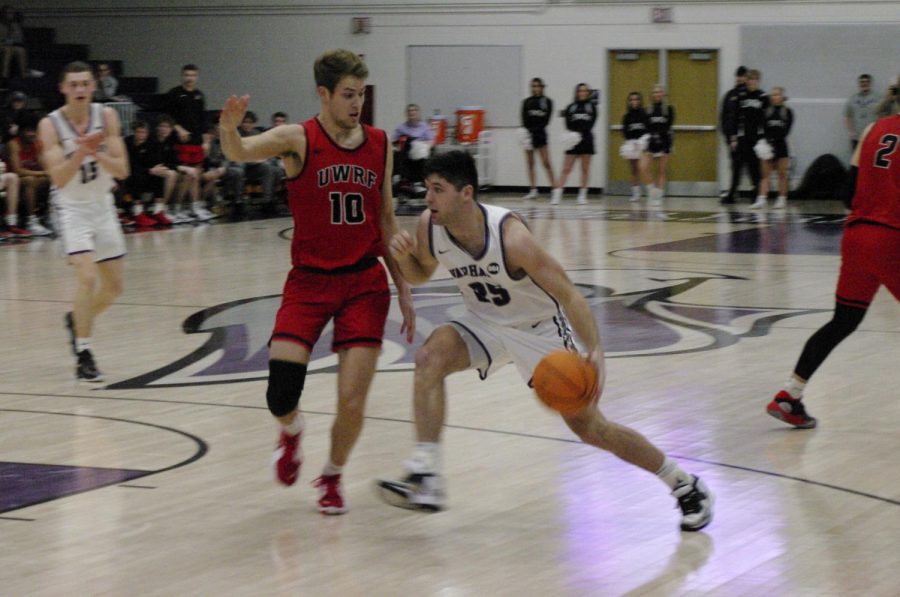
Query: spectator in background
point(186, 104)
point(861, 109)
point(12, 36)
point(750, 116)
point(776, 127)
point(148, 174)
point(107, 84)
point(661, 117)
point(166, 138)
point(580, 118)
point(266, 172)
point(536, 113)
point(9, 184)
point(728, 121)
point(409, 165)
point(24, 151)
point(278, 118)
point(888, 105)
point(634, 129)
point(15, 115)
point(218, 168)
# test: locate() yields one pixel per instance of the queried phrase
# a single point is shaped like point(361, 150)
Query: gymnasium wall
point(266, 48)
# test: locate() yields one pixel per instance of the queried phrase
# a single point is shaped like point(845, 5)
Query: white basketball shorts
point(89, 227)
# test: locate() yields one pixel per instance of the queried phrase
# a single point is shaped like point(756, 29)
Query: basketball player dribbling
point(519, 302)
point(870, 258)
point(339, 190)
point(83, 153)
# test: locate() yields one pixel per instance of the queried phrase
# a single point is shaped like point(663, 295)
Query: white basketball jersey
point(486, 285)
point(91, 182)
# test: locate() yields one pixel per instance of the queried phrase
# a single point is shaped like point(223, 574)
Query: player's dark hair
point(866, 76)
point(279, 115)
point(251, 116)
point(577, 87)
point(165, 118)
point(741, 71)
point(139, 124)
point(76, 67)
point(538, 81)
point(640, 97)
point(193, 67)
point(334, 65)
point(456, 167)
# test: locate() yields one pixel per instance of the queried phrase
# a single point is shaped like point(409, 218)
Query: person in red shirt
point(870, 258)
point(339, 191)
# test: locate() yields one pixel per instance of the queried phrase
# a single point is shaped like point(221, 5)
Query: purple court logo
point(640, 312)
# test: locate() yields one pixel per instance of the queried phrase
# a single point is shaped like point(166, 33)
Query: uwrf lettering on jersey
point(341, 173)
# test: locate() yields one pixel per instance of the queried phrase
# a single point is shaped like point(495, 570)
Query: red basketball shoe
point(162, 219)
point(331, 496)
point(790, 410)
point(144, 221)
point(288, 458)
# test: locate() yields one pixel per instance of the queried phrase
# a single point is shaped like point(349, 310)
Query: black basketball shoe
point(86, 370)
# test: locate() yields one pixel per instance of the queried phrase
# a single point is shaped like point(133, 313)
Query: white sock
point(582, 193)
point(672, 475)
point(533, 191)
point(82, 344)
point(794, 387)
point(296, 425)
point(12, 220)
point(33, 220)
point(426, 456)
point(157, 208)
point(331, 469)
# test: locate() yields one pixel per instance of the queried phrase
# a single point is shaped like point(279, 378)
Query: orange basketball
point(564, 381)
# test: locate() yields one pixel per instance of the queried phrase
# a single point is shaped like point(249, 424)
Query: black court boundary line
point(202, 449)
point(449, 426)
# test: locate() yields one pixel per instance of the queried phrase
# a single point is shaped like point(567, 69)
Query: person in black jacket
point(536, 112)
point(580, 117)
point(749, 119)
point(777, 123)
point(634, 127)
point(660, 118)
point(148, 174)
point(728, 119)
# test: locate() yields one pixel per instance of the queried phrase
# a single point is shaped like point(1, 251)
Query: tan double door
point(691, 81)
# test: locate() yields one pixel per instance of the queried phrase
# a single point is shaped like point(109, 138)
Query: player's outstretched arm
point(388, 230)
point(413, 255)
point(523, 253)
point(281, 140)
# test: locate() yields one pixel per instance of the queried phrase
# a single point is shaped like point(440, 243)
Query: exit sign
point(661, 14)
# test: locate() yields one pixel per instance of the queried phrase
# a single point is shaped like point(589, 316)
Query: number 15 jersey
point(488, 288)
point(336, 200)
point(91, 182)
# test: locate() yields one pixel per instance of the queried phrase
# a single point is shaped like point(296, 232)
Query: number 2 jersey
point(336, 200)
point(488, 288)
point(91, 182)
point(877, 196)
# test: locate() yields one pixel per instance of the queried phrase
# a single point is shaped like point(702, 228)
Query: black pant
point(743, 155)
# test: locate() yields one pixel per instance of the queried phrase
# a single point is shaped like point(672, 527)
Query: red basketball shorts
point(358, 302)
point(870, 257)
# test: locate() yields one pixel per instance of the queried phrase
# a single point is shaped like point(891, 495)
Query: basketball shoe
point(86, 370)
point(331, 494)
point(696, 503)
point(790, 410)
point(142, 220)
point(288, 458)
point(417, 491)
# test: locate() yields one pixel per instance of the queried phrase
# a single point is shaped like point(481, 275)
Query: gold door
point(691, 81)
point(629, 70)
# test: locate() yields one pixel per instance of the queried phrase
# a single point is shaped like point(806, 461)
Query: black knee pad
point(286, 381)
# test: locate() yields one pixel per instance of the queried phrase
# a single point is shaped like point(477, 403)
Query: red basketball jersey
point(336, 200)
point(877, 197)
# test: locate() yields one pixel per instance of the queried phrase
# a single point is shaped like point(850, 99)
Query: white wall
point(267, 49)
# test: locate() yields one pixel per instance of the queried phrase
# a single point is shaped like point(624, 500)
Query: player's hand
point(402, 245)
point(408, 327)
point(91, 143)
point(232, 114)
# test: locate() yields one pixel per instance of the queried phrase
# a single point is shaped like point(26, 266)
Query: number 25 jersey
point(336, 200)
point(489, 290)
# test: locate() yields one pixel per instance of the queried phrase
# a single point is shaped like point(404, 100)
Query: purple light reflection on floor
point(779, 239)
point(24, 484)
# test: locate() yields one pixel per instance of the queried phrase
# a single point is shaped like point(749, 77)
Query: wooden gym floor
point(159, 482)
